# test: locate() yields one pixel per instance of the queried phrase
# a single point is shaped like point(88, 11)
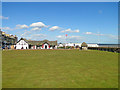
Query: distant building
point(84, 46)
point(30, 44)
point(93, 45)
point(60, 45)
point(7, 40)
point(79, 45)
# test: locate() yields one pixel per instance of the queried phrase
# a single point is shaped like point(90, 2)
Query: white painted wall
point(69, 44)
point(72, 44)
point(34, 47)
point(78, 44)
point(56, 47)
point(21, 44)
point(51, 47)
point(92, 45)
point(38, 48)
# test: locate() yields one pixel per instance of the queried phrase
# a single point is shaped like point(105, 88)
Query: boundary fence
point(110, 49)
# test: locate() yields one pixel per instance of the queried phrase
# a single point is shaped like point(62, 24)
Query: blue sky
point(60, 1)
point(91, 22)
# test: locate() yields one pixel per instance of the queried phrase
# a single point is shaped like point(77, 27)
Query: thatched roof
point(84, 44)
point(32, 42)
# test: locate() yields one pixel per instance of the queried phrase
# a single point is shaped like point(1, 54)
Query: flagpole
point(66, 41)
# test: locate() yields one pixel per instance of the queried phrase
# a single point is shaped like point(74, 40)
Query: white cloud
point(36, 29)
point(26, 33)
point(54, 28)
point(21, 26)
point(32, 35)
point(112, 36)
point(106, 35)
point(63, 38)
point(75, 37)
point(71, 31)
point(100, 11)
point(6, 28)
point(88, 33)
point(38, 24)
point(97, 34)
point(2, 17)
point(60, 36)
point(37, 36)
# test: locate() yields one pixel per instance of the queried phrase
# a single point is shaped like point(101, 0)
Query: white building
point(22, 44)
point(60, 45)
point(29, 44)
point(93, 45)
point(79, 44)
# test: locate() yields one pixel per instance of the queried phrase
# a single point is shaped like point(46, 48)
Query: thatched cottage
point(30, 44)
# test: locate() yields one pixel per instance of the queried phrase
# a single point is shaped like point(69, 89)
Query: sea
point(109, 45)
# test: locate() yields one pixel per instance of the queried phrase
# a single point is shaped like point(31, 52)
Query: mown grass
point(59, 69)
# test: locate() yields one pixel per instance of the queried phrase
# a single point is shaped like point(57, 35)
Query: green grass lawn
point(59, 69)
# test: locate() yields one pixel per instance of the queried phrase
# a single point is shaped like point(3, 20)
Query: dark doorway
point(45, 46)
point(30, 46)
point(22, 48)
point(26, 47)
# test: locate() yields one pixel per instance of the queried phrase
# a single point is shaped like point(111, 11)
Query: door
point(22, 48)
point(45, 46)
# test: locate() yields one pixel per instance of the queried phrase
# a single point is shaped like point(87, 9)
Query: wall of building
point(22, 45)
point(92, 45)
point(34, 47)
point(7, 40)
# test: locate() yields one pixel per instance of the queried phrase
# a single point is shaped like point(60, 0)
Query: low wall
point(110, 49)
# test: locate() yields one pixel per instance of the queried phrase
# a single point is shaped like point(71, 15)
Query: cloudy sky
point(82, 21)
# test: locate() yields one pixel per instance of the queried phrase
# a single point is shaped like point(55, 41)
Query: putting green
point(59, 69)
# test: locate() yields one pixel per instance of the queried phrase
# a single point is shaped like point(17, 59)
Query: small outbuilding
point(60, 45)
point(84, 46)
